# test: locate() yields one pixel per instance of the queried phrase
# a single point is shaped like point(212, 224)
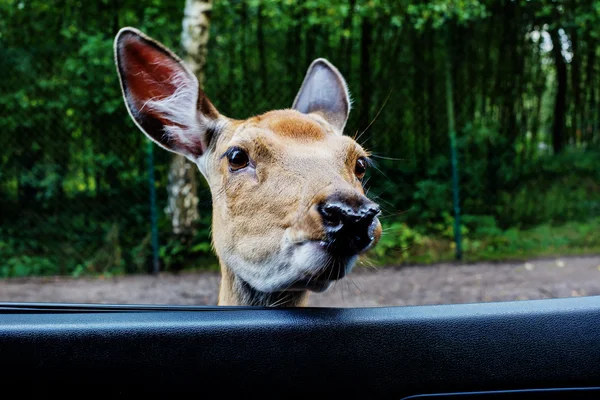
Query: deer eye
point(361, 168)
point(237, 158)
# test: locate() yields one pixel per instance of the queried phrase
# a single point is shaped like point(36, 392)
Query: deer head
point(290, 215)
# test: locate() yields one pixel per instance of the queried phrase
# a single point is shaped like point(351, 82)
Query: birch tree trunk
point(194, 36)
point(182, 207)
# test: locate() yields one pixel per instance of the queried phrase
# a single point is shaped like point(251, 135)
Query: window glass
point(149, 166)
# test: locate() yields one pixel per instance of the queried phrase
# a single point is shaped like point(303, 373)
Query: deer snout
point(349, 224)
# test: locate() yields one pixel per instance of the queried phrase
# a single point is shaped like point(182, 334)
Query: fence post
point(452, 133)
point(153, 218)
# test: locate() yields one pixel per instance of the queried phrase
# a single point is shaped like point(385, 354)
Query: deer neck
point(235, 292)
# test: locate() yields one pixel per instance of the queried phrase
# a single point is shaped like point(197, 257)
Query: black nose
point(348, 223)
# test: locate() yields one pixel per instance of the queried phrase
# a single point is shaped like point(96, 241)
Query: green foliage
point(397, 238)
point(74, 193)
point(22, 265)
point(538, 191)
point(543, 240)
point(22, 259)
point(190, 253)
point(486, 242)
point(437, 12)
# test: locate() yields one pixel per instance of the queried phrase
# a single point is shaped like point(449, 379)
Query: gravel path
point(389, 286)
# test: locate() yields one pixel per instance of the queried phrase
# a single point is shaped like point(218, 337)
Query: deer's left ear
point(163, 96)
point(324, 91)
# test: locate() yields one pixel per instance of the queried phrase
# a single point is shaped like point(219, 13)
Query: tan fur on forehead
point(292, 124)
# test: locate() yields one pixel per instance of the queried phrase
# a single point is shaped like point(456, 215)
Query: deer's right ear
point(162, 95)
point(324, 91)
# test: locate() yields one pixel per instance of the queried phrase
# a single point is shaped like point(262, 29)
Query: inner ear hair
point(163, 96)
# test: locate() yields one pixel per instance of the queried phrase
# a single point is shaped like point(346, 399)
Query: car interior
point(535, 349)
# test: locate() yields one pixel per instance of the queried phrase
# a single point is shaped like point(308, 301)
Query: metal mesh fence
point(74, 173)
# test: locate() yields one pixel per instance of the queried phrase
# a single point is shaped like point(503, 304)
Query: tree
point(558, 127)
point(73, 164)
point(182, 206)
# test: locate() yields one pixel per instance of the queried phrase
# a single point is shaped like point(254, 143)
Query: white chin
point(317, 268)
point(302, 267)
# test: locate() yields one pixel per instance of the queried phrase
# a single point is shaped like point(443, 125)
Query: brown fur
point(252, 212)
point(288, 124)
point(266, 225)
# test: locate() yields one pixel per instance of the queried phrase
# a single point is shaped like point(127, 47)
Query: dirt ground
point(364, 287)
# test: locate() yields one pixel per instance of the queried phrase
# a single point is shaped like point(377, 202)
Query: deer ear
point(162, 96)
point(324, 91)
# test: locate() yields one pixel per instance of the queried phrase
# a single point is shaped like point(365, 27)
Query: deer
point(289, 211)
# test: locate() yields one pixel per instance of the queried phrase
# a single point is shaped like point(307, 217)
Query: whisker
point(388, 158)
point(356, 286)
point(363, 143)
point(282, 301)
point(376, 116)
point(378, 197)
point(381, 202)
point(382, 173)
point(402, 212)
point(326, 266)
point(401, 250)
point(394, 214)
point(365, 263)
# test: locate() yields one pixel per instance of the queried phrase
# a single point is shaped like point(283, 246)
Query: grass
point(570, 239)
point(400, 245)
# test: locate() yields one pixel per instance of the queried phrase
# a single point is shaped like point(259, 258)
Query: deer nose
point(349, 224)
